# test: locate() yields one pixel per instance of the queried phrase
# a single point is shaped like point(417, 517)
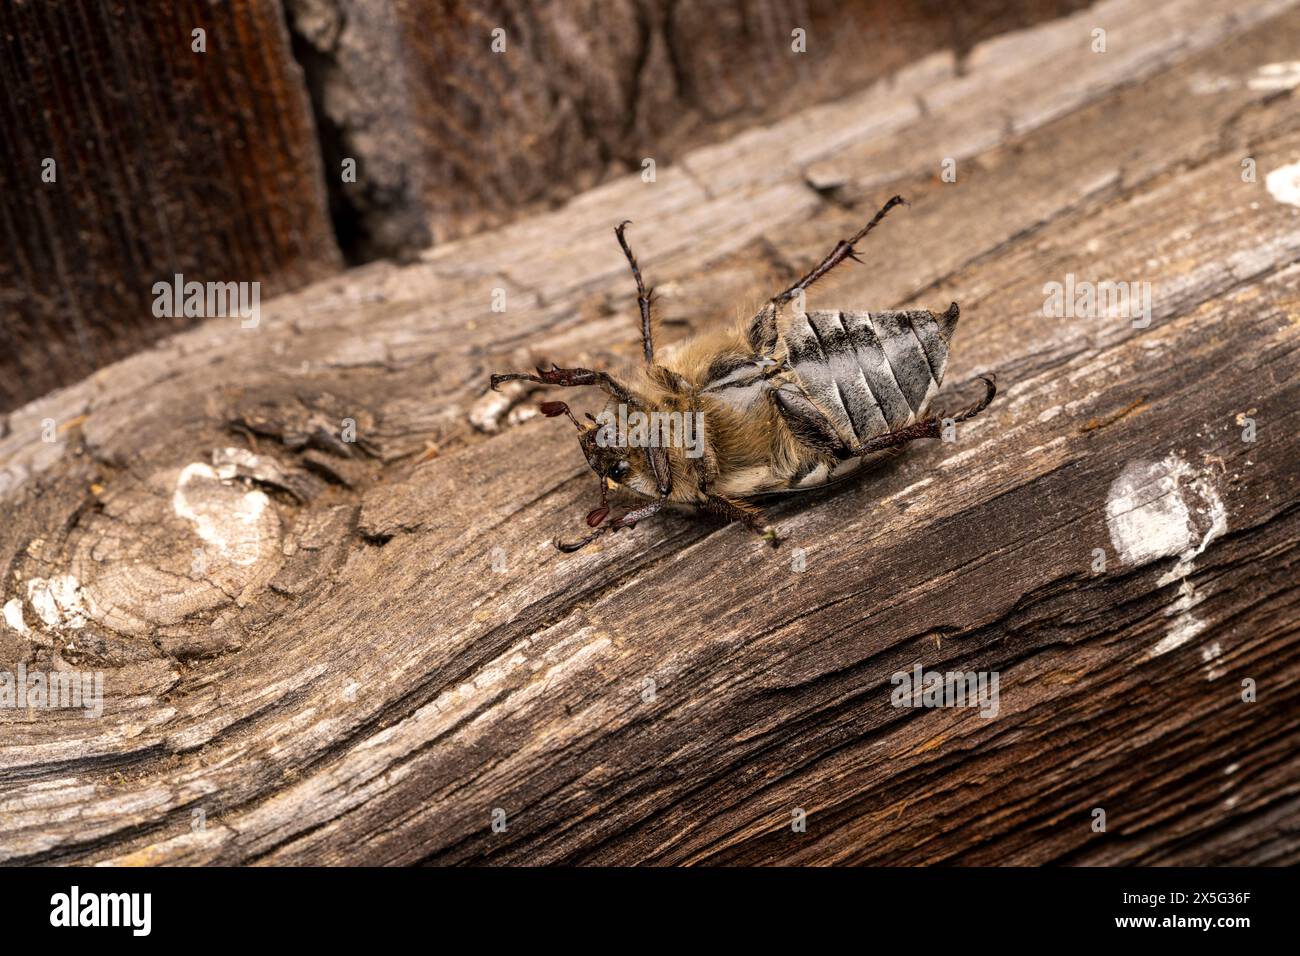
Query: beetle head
point(612, 460)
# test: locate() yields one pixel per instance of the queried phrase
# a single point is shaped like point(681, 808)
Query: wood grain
point(452, 134)
point(227, 164)
point(400, 652)
point(167, 160)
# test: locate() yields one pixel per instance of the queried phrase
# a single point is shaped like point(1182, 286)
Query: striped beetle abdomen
point(869, 372)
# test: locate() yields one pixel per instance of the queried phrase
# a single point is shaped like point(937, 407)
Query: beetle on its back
point(786, 401)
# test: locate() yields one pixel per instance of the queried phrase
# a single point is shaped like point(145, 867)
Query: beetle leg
point(990, 389)
point(628, 520)
point(931, 427)
point(735, 510)
point(568, 378)
point(568, 547)
point(642, 296)
point(843, 250)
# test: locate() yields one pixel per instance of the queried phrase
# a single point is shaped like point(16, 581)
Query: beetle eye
point(620, 469)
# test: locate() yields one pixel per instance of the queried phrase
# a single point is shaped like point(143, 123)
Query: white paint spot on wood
point(14, 616)
point(58, 601)
point(1209, 654)
point(1276, 76)
point(1283, 184)
point(1146, 515)
point(1162, 509)
point(1267, 78)
point(1183, 625)
point(230, 523)
point(1210, 511)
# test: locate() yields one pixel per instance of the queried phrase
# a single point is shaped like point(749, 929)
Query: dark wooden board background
point(381, 648)
point(226, 165)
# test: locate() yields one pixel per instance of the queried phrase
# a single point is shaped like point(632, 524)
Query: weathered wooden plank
point(461, 113)
point(208, 162)
point(394, 684)
point(167, 159)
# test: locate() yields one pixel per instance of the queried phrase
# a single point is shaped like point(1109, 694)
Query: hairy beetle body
point(786, 401)
point(837, 379)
